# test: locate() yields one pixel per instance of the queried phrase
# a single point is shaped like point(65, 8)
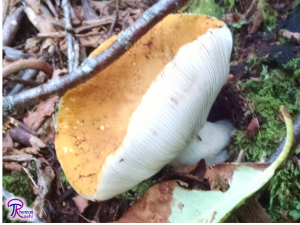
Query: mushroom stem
point(208, 144)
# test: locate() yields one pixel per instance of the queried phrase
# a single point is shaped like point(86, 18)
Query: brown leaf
point(7, 141)
point(153, 206)
point(45, 176)
point(34, 5)
point(231, 18)
point(59, 72)
point(42, 22)
point(31, 43)
point(81, 203)
point(91, 39)
point(36, 142)
point(281, 118)
point(47, 132)
point(43, 110)
point(253, 127)
point(229, 78)
point(278, 6)
point(288, 34)
point(31, 150)
point(12, 166)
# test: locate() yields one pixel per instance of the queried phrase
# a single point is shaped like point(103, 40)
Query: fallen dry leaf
point(288, 34)
point(43, 110)
point(12, 166)
point(152, 207)
point(31, 150)
point(47, 132)
point(45, 176)
point(34, 5)
point(58, 72)
point(231, 18)
point(91, 39)
point(42, 22)
point(81, 203)
point(253, 127)
point(36, 142)
point(281, 118)
point(31, 43)
point(7, 142)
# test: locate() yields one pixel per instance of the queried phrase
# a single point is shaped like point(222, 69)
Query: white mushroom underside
point(171, 113)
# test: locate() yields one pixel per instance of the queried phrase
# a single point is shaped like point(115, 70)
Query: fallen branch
point(116, 18)
point(66, 7)
point(59, 34)
point(13, 54)
point(95, 64)
point(21, 81)
point(11, 26)
point(24, 64)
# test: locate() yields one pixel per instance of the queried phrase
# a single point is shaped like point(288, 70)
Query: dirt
point(230, 103)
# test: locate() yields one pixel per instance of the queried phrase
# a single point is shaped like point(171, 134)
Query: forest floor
point(264, 74)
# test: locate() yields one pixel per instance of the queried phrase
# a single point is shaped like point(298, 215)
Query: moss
point(269, 15)
point(138, 190)
point(19, 184)
point(278, 87)
point(204, 7)
point(64, 179)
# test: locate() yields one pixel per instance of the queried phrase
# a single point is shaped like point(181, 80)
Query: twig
point(5, 9)
point(88, 11)
point(52, 9)
point(21, 81)
point(240, 157)
point(116, 18)
point(29, 74)
point(24, 64)
point(76, 55)
point(84, 217)
point(11, 26)
point(21, 125)
point(58, 34)
point(94, 65)
point(97, 23)
point(69, 28)
point(17, 158)
point(13, 54)
point(30, 177)
point(250, 8)
point(296, 142)
point(74, 19)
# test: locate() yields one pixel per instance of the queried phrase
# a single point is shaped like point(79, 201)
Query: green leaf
point(282, 40)
point(295, 214)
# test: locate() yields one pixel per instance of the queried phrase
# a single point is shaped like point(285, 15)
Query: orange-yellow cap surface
point(93, 118)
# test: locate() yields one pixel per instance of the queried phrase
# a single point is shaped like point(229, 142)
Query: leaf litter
point(248, 18)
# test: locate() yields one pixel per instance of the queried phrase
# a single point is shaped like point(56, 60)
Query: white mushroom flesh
point(209, 145)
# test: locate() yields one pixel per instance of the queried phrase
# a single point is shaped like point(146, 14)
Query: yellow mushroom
point(123, 125)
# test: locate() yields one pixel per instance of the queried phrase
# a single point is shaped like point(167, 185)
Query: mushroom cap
point(123, 125)
point(209, 144)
